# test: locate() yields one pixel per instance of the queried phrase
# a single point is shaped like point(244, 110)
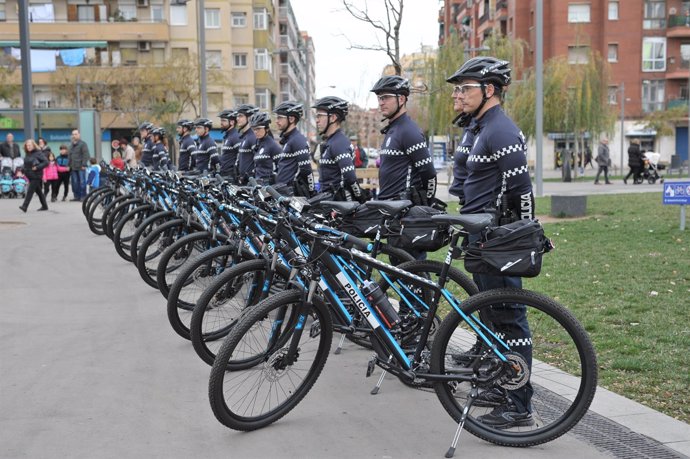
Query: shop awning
point(641, 133)
point(42, 44)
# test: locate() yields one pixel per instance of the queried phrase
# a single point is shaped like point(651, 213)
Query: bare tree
point(390, 28)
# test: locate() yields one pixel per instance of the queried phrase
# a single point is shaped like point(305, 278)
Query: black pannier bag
point(514, 249)
point(415, 230)
point(364, 222)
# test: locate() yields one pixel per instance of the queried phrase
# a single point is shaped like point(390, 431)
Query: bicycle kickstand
point(376, 388)
point(340, 344)
point(470, 399)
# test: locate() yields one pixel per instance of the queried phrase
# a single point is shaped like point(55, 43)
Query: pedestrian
point(9, 149)
point(117, 162)
point(138, 149)
point(94, 176)
point(34, 163)
point(63, 170)
point(51, 178)
point(78, 162)
point(634, 162)
point(359, 155)
point(294, 162)
point(128, 154)
point(184, 130)
point(43, 146)
point(496, 173)
point(588, 157)
point(231, 145)
point(205, 157)
point(266, 149)
point(603, 160)
point(336, 169)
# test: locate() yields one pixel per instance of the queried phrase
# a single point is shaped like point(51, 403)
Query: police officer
point(245, 159)
point(462, 152)
point(336, 167)
point(147, 142)
point(407, 170)
point(187, 145)
point(160, 156)
point(294, 163)
point(496, 172)
point(266, 149)
point(206, 154)
point(231, 144)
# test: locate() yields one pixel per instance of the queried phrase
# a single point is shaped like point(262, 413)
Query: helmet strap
point(484, 100)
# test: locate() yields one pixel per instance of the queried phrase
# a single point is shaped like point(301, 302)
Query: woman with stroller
point(34, 163)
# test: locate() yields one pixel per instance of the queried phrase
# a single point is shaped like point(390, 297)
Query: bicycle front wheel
point(252, 383)
point(557, 374)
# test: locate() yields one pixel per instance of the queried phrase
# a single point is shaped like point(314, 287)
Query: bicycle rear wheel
point(558, 371)
point(252, 384)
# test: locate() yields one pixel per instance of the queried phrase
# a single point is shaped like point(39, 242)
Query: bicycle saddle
point(473, 223)
point(342, 207)
point(389, 207)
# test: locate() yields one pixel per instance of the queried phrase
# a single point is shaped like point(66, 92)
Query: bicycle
point(277, 349)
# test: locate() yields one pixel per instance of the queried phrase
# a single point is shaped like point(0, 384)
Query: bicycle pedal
point(371, 366)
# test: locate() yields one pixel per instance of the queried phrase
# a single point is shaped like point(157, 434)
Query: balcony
point(675, 103)
point(677, 70)
point(501, 10)
point(91, 31)
point(678, 27)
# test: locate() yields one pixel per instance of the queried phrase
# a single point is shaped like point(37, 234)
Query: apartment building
point(242, 43)
point(646, 42)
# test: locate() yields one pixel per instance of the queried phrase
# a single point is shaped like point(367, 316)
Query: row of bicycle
point(260, 282)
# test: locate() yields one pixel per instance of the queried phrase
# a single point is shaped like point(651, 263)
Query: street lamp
point(621, 90)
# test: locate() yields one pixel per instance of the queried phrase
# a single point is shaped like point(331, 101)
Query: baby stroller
point(6, 189)
point(651, 168)
point(19, 185)
point(6, 165)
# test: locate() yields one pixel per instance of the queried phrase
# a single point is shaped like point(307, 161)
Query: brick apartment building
point(646, 42)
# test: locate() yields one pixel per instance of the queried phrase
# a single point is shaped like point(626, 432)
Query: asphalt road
point(90, 368)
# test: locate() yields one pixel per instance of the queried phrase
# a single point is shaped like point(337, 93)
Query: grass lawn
point(624, 271)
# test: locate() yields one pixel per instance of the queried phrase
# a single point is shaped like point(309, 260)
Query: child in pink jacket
point(50, 178)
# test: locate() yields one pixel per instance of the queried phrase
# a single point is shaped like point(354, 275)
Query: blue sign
point(677, 193)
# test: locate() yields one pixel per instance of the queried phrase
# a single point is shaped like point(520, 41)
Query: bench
point(368, 178)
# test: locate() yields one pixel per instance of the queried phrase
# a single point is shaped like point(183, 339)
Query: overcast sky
point(353, 72)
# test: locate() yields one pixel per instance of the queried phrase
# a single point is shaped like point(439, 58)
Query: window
point(685, 55)
point(613, 95)
point(40, 12)
point(86, 13)
point(157, 13)
point(613, 11)
point(260, 19)
point(652, 95)
point(263, 97)
point(239, 60)
point(212, 18)
point(241, 99)
point(178, 15)
point(128, 55)
point(578, 13)
point(653, 54)
point(239, 19)
point(578, 54)
point(128, 12)
point(613, 52)
point(214, 59)
point(262, 60)
point(654, 14)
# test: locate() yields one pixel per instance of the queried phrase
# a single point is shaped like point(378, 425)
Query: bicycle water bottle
point(379, 301)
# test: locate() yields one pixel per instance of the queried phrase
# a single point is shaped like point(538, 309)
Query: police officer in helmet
point(145, 130)
point(206, 154)
point(245, 159)
point(161, 159)
point(187, 145)
point(231, 144)
point(294, 164)
point(336, 167)
point(495, 173)
point(266, 150)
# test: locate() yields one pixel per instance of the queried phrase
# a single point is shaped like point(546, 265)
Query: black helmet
point(484, 69)
point(158, 131)
point(146, 125)
point(290, 108)
point(260, 119)
point(228, 115)
point(392, 84)
point(246, 109)
point(205, 122)
point(332, 104)
point(188, 124)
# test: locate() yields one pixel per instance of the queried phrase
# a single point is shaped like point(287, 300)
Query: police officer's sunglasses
point(463, 88)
